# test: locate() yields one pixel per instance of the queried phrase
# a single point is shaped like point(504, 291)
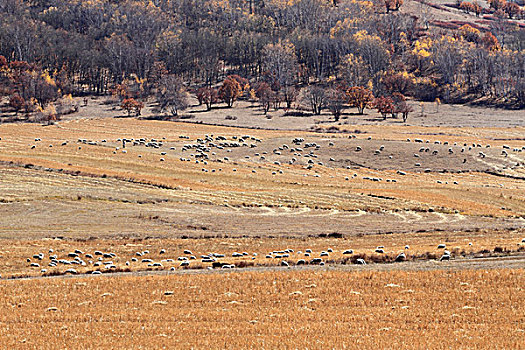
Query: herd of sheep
point(100, 262)
point(210, 149)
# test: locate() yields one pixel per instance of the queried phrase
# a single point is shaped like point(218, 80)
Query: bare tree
point(316, 98)
point(172, 95)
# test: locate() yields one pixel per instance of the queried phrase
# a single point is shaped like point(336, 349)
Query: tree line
point(163, 48)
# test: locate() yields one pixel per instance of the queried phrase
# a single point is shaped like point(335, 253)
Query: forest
point(330, 54)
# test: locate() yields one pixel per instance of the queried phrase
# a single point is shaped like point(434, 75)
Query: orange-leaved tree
point(393, 5)
point(132, 106)
point(230, 91)
point(359, 97)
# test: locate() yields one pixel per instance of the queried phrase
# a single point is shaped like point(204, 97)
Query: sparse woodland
point(310, 54)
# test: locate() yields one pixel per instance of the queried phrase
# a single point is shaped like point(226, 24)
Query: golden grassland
point(96, 197)
point(272, 309)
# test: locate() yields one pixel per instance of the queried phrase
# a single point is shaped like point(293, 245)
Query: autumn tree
point(469, 33)
point(401, 82)
point(477, 8)
point(467, 7)
point(401, 106)
point(243, 82)
point(354, 71)
point(384, 105)
point(172, 95)
point(490, 42)
point(512, 9)
point(265, 96)
point(497, 4)
point(132, 106)
point(393, 5)
point(230, 91)
point(374, 52)
point(16, 102)
point(208, 96)
point(359, 97)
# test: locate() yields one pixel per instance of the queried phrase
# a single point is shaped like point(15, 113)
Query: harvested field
point(274, 309)
point(159, 208)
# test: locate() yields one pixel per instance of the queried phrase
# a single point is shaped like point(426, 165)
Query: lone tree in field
point(208, 96)
point(132, 106)
point(230, 91)
point(359, 97)
point(172, 95)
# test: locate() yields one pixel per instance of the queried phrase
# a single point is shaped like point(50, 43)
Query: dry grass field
point(246, 194)
point(273, 309)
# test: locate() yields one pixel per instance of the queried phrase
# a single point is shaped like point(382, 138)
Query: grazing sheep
point(71, 271)
point(445, 257)
point(96, 273)
point(407, 247)
point(360, 262)
point(316, 261)
point(284, 263)
point(401, 257)
point(301, 262)
point(324, 253)
point(349, 251)
point(441, 246)
point(379, 250)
